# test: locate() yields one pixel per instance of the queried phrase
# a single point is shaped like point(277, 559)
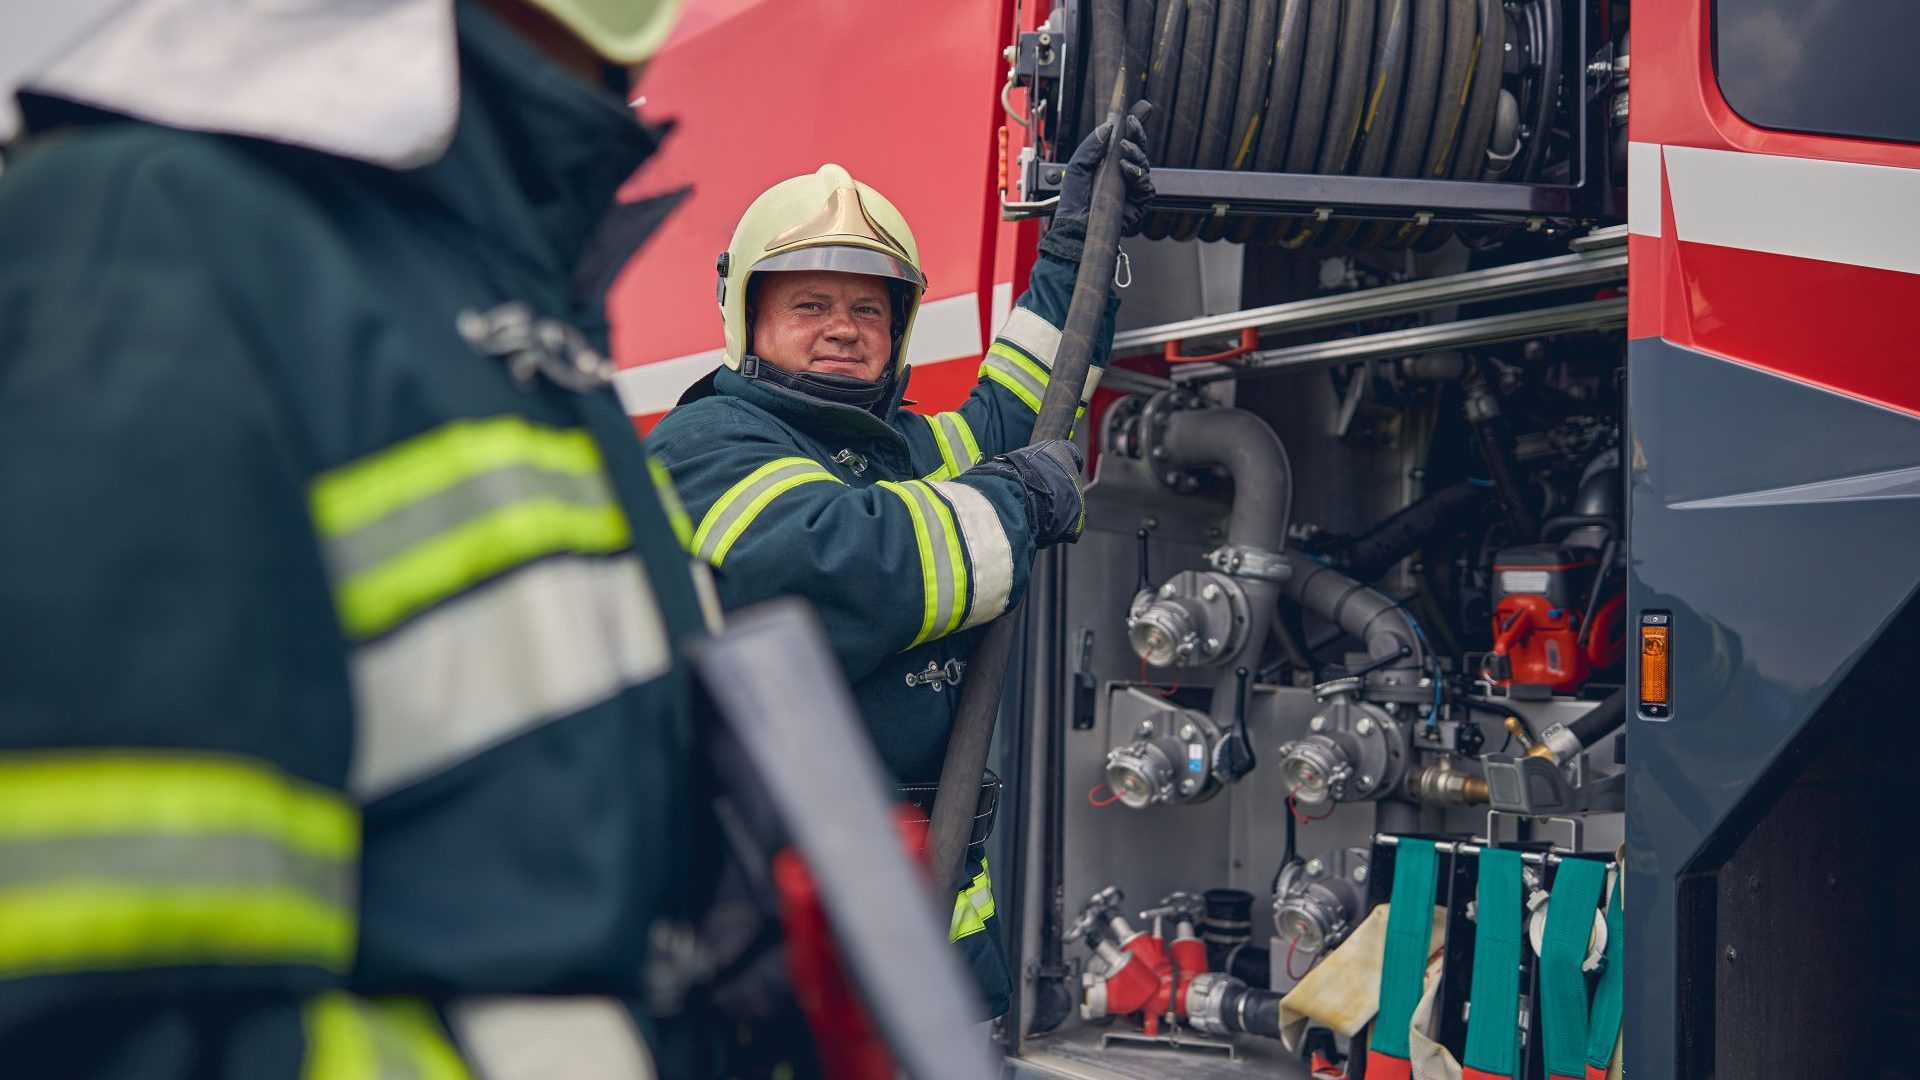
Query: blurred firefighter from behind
point(907, 532)
point(346, 727)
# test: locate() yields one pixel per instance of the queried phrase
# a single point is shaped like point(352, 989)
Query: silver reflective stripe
point(1040, 339)
point(736, 509)
point(549, 1038)
point(161, 859)
point(541, 643)
point(988, 548)
point(1032, 334)
point(943, 570)
point(416, 523)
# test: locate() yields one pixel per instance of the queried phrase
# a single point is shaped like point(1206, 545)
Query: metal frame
point(1589, 196)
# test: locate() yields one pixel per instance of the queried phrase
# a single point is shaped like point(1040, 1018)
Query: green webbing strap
point(1493, 1020)
point(1403, 971)
point(1605, 1023)
point(1563, 949)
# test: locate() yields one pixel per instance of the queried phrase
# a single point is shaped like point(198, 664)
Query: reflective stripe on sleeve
point(518, 652)
point(942, 564)
point(123, 859)
point(428, 518)
point(1032, 335)
point(735, 510)
point(972, 907)
point(988, 550)
point(1017, 372)
point(670, 502)
point(352, 1038)
point(959, 450)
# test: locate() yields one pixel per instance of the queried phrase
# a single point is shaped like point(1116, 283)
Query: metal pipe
point(1592, 315)
point(1601, 258)
point(1247, 448)
point(1365, 613)
point(1253, 456)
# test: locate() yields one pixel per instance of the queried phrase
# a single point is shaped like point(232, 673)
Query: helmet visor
point(844, 259)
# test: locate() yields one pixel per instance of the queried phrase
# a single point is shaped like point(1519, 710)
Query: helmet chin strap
point(836, 389)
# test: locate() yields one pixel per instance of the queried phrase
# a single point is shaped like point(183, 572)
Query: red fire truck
point(1584, 327)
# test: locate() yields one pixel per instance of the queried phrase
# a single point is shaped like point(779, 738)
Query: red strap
point(1386, 1067)
point(1597, 1072)
point(1471, 1073)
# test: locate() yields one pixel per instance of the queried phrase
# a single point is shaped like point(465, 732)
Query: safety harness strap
point(1563, 952)
point(1603, 1028)
point(1404, 965)
point(1493, 1020)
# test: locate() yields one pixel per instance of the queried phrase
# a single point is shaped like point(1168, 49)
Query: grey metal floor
point(1076, 1054)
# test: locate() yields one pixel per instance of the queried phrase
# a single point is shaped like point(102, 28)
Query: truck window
point(1830, 67)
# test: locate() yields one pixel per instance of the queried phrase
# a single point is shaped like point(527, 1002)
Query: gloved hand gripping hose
point(987, 669)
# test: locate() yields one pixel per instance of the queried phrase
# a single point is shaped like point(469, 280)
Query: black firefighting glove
point(1069, 229)
point(1050, 474)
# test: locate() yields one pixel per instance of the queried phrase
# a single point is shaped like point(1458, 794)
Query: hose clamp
point(1252, 563)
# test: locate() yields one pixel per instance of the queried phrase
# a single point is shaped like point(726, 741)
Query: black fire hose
point(973, 720)
point(1602, 720)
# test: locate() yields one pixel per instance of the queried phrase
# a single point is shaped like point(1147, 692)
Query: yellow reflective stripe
point(956, 560)
point(670, 501)
point(85, 927)
point(924, 542)
point(743, 502)
point(49, 794)
point(1015, 370)
point(954, 438)
point(374, 600)
point(972, 907)
point(364, 491)
point(350, 1038)
point(276, 863)
point(942, 562)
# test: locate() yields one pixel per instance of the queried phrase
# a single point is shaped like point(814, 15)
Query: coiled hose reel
point(1414, 89)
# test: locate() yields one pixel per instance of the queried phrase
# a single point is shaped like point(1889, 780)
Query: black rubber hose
point(1375, 551)
point(1163, 67)
point(1490, 434)
point(1216, 114)
point(1256, 64)
point(1488, 68)
point(1223, 84)
point(1547, 92)
point(1348, 94)
point(1426, 42)
point(1108, 36)
point(1310, 104)
point(1349, 87)
point(1462, 50)
point(1602, 720)
point(972, 733)
point(1190, 95)
point(1251, 964)
point(1256, 1012)
point(1140, 30)
point(1226, 924)
point(1163, 77)
point(1392, 27)
point(1249, 107)
point(1283, 86)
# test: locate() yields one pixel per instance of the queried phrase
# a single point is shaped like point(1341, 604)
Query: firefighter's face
point(825, 322)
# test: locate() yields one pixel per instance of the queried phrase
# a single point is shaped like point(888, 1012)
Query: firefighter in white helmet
point(906, 531)
point(346, 732)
